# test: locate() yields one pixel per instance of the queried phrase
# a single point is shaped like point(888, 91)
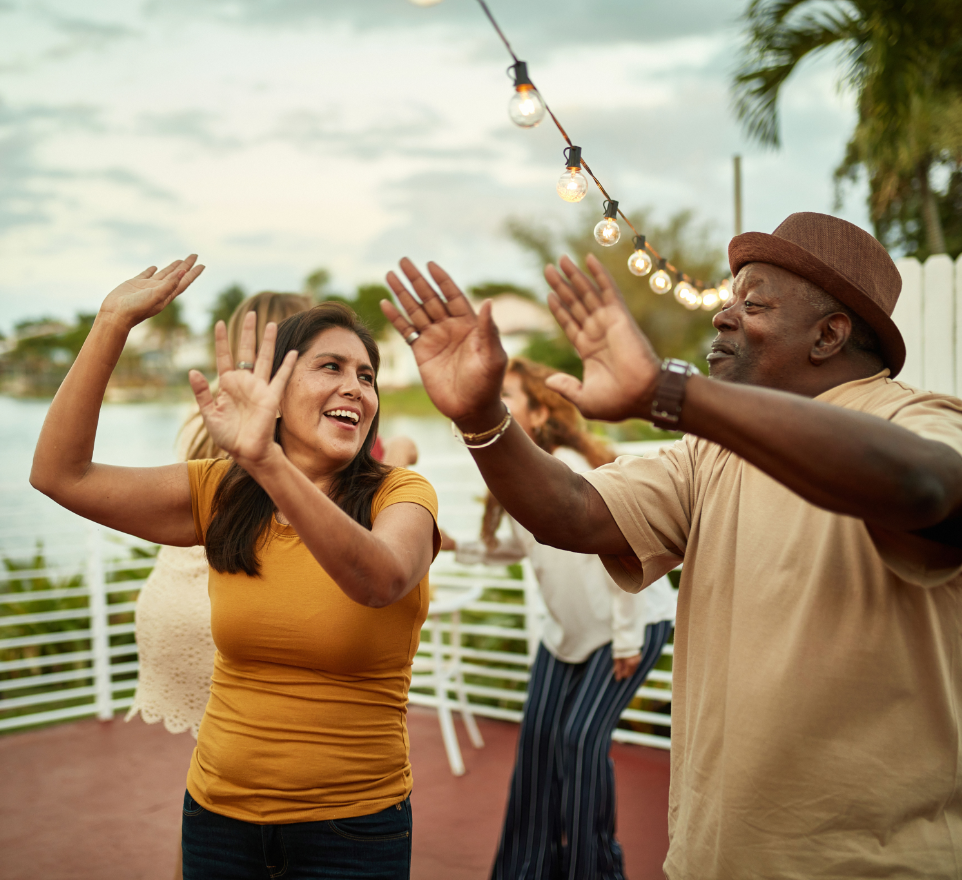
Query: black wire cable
point(658, 258)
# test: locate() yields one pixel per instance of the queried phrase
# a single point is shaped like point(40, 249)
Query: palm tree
point(903, 58)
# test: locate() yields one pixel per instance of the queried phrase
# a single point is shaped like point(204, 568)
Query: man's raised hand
point(458, 352)
point(620, 366)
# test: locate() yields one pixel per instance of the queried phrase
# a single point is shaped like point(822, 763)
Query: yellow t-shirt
point(817, 693)
point(306, 718)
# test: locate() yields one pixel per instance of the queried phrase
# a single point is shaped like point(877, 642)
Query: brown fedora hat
point(843, 260)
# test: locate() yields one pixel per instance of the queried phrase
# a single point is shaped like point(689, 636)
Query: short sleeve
point(402, 485)
point(934, 418)
point(205, 476)
point(650, 500)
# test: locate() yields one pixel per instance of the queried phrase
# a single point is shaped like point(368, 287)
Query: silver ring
point(412, 337)
point(244, 365)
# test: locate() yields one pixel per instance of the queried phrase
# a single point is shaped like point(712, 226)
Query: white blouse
point(586, 609)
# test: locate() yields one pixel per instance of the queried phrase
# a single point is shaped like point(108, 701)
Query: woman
point(318, 561)
point(174, 643)
point(598, 645)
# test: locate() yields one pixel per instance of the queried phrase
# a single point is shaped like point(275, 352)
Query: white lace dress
point(174, 641)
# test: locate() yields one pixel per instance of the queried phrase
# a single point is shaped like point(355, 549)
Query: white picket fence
point(41, 683)
point(929, 314)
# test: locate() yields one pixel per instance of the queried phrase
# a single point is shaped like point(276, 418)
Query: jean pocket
point(191, 807)
point(393, 823)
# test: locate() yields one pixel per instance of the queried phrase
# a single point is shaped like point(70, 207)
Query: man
point(817, 505)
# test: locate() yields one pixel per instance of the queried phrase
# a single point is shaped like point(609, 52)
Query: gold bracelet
point(484, 438)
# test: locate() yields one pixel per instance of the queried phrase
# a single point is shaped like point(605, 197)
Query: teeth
point(344, 413)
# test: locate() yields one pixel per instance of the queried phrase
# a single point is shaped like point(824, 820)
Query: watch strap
point(670, 393)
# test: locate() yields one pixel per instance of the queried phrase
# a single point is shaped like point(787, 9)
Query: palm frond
point(779, 34)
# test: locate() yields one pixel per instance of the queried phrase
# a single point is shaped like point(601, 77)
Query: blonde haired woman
point(598, 645)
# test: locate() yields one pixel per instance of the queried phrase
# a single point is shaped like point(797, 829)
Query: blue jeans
point(375, 847)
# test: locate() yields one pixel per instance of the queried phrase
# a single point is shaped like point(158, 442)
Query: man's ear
point(833, 332)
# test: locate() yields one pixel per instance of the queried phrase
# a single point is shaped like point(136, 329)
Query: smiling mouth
point(343, 417)
point(721, 350)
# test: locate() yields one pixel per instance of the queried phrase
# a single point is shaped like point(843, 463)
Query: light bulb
point(687, 295)
point(526, 108)
point(725, 290)
point(607, 232)
point(572, 185)
point(660, 282)
point(639, 263)
point(710, 299)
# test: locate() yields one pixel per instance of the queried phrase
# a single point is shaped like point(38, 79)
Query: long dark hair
point(242, 510)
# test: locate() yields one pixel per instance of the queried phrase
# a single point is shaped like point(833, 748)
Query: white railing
point(67, 650)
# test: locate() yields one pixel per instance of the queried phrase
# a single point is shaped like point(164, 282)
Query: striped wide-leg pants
point(560, 821)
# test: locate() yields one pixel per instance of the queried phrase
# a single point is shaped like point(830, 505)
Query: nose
point(724, 319)
point(350, 384)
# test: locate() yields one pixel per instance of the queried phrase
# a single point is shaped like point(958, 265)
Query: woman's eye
point(367, 377)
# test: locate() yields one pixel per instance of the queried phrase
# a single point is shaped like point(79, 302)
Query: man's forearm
point(845, 461)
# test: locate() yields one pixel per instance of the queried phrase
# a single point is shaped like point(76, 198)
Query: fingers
point(488, 329)
point(283, 374)
point(581, 284)
point(398, 321)
point(165, 272)
point(189, 276)
point(201, 389)
point(565, 296)
point(568, 324)
point(222, 355)
point(455, 301)
point(265, 356)
point(248, 340)
point(430, 301)
point(608, 289)
point(416, 316)
point(147, 273)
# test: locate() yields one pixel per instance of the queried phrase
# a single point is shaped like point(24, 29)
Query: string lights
point(527, 108)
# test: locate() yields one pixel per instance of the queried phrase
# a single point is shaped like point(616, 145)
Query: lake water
point(144, 434)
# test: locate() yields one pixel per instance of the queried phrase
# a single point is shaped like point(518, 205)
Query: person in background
point(172, 619)
point(598, 645)
point(318, 559)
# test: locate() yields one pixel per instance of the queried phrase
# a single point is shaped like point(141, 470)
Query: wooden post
point(737, 161)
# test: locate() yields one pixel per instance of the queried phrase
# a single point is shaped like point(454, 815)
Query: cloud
point(197, 126)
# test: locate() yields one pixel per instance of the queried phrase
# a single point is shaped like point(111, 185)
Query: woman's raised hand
point(241, 418)
point(620, 366)
point(457, 351)
point(147, 294)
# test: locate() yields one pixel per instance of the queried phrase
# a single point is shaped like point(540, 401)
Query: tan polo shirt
point(817, 697)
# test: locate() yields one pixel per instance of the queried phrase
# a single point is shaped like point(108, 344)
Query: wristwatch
point(670, 393)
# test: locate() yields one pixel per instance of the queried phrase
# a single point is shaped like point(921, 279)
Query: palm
point(241, 418)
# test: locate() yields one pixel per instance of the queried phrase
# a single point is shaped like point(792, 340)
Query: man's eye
point(330, 366)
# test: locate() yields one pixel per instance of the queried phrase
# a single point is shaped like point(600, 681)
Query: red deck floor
point(93, 800)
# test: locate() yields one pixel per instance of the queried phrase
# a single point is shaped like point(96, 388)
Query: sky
point(274, 137)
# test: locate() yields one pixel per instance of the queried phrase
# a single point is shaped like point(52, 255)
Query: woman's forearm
point(369, 569)
point(66, 444)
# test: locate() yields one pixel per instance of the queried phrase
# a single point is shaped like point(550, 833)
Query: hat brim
point(760, 247)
